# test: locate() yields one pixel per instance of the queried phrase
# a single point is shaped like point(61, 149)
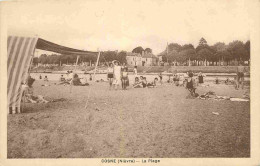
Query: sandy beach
point(148, 122)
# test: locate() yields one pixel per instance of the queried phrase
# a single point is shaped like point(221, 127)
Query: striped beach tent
point(20, 51)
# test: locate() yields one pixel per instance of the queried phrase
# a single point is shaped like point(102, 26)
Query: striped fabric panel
point(20, 52)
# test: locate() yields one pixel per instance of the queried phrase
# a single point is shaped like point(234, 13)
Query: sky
point(123, 25)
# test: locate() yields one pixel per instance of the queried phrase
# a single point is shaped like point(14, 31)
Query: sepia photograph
point(128, 79)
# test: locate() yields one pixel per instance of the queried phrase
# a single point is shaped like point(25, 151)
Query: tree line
point(219, 52)
point(105, 57)
point(174, 52)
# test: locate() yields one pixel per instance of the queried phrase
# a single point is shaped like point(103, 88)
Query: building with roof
point(144, 59)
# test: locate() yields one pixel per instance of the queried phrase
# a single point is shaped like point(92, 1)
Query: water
point(149, 77)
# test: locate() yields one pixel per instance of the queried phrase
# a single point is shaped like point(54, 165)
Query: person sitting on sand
point(46, 79)
point(176, 78)
point(30, 81)
point(153, 84)
point(227, 81)
point(137, 83)
point(124, 78)
point(181, 80)
point(144, 82)
point(76, 81)
point(28, 95)
point(169, 80)
point(62, 79)
point(70, 76)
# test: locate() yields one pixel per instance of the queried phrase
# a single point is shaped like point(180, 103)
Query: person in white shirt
point(117, 74)
point(135, 71)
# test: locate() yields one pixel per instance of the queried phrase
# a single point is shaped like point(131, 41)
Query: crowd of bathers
point(118, 75)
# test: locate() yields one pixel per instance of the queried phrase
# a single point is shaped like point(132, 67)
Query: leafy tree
point(204, 54)
point(43, 59)
point(247, 47)
point(138, 50)
point(121, 56)
point(187, 46)
point(109, 56)
point(148, 50)
point(173, 56)
point(237, 50)
point(174, 46)
point(219, 46)
point(202, 42)
point(188, 54)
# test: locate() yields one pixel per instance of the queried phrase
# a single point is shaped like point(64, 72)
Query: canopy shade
point(49, 46)
point(20, 51)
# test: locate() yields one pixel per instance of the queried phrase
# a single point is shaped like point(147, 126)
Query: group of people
point(142, 82)
point(117, 74)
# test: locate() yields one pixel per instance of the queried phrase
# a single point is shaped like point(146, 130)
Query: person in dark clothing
point(76, 81)
point(30, 81)
point(191, 84)
point(200, 77)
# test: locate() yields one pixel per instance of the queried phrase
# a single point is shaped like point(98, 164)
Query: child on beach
point(124, 78)
point(191, 84)
point(110, 75)
point(137, 83)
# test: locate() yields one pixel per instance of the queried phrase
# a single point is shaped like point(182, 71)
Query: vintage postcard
point(138, 82)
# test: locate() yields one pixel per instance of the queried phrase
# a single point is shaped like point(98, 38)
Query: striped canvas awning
point(20, 51)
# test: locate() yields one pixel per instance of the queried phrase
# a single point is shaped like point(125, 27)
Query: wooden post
point(96, 66)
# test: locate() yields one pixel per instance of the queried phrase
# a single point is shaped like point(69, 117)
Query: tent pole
point(96, 66)
point(86, 105)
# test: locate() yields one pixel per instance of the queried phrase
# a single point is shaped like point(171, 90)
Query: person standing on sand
point(110, 74)
point(124, 78)
point(240, 76)
point(90, 77)
point(200, 77)
point(117, 74)
point(135, 71)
